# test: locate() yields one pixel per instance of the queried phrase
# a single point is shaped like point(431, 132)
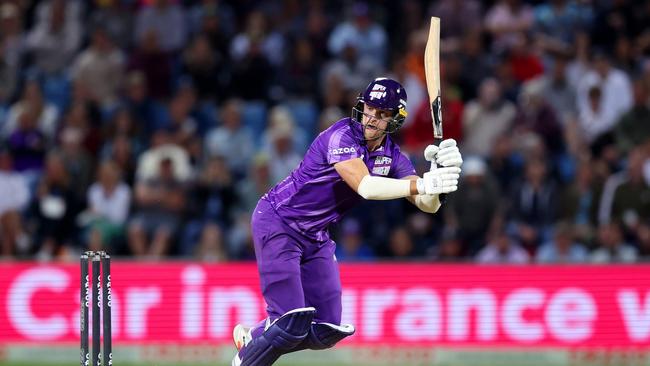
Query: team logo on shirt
point(382, 165)
point(343, 150)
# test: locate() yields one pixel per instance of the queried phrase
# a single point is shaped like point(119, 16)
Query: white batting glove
point(439, 181)
point(446, 154)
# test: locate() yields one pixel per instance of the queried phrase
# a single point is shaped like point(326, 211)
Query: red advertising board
point(397, 304)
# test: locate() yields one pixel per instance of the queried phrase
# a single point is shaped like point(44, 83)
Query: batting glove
point(439, 181)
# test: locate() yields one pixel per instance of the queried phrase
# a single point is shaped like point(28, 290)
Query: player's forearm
point(381, 188)
point(427, 203)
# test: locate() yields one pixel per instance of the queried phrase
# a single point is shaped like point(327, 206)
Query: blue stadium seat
point(254, 117)
point(56, 90)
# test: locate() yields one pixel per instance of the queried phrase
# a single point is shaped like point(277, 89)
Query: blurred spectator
point(533, 205)
point(204, 66)
point(27, 143)
point(506, 20)
point(611, 246)
point(232, 140)
point(100, 68)
point(166, 21)
point(485, 119)
point(361, 33)
point(213, 198)
point(78, 162)
point(472, 211)
point(351, 245)
point(400, 243)
point(643, 239)
point(631, 199)
point(159, 203)
point(12, 49)
point(211, 247)
point(109, 200)
point(258, 37)
point(281, 149)
point(258, 183)
point(281, 118)
point(522, 59)
point(116, 18)
point(123, 124)
point(300, 73)
point(450, 249)
point(162, 148)
point(181, 125)
point(578, 202)
point(121, 151)
point(504, 163)
point(558, 91)
point(633, 128)
point(56, 36)
point(13, 239)
point(461, 16)
point(154, 63)
point(84, 119)
point(603, 95)
point(537, 116)
point(501, 249)
point(562, 248)
point(216, 20)
point(475, 63)
point(138, 101)
point(557, 23)
point(33, 102)
point(55, 208)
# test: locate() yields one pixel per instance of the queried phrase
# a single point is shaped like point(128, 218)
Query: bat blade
point(432, 73)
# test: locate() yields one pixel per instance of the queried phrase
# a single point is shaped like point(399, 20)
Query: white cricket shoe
point(241, 336)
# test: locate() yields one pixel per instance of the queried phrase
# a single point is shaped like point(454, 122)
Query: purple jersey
point(314, 195)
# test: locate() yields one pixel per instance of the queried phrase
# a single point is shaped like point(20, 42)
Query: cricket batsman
point(354, 159)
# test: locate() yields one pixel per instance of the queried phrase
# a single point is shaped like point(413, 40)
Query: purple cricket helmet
point(386, 94)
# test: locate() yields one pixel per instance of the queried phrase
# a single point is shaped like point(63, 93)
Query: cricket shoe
point(241, 336)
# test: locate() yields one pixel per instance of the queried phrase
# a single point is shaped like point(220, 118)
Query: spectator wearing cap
point(562, 248)
point(282, 151)
point(472, 211)
point(351, 246)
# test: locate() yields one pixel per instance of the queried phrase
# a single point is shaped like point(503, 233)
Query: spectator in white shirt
point(109, 199)
point(604, 94)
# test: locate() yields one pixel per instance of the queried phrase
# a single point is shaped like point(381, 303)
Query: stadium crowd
point(151, 128)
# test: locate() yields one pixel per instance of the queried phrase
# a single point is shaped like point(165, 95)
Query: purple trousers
point(295, 271)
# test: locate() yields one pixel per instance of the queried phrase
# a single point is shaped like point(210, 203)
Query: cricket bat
point(432, 73)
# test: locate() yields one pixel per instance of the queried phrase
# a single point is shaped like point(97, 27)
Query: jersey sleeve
point(341, 146)
point(403, 167)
